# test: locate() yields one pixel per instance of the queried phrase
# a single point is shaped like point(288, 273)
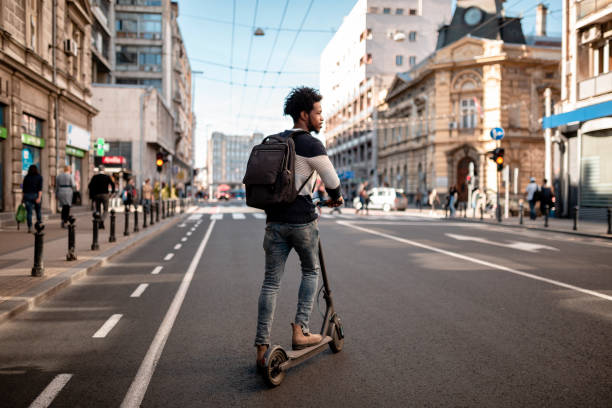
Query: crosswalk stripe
point(216, 217)
point(238, 216)
point(259, 216)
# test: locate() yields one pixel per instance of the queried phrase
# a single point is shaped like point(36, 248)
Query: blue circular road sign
point(497, 133)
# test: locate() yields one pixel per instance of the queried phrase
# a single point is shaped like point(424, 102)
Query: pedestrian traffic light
point(498, 158)
point(159, 162)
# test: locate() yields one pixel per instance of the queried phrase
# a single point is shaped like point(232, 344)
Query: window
point(412, 60)
point(373, 10)
point(31, 126)
point(399, 11)
point(121, 149)
point(399, 60)
point(140, 2)
point(33, 24)
point(138, 58)
point(155, 83)
point(412, 36)
point(139, 25)
point(468, 113)
point(413, 12)
point(386, 10)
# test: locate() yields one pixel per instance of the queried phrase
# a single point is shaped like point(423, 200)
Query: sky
point(244, 99)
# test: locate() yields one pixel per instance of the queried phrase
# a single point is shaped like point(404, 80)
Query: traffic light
point(498, 158)
point(159, 162)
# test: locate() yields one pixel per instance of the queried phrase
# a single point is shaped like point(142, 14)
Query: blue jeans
point(532, 211)
point(30, 200)
point(280, 238)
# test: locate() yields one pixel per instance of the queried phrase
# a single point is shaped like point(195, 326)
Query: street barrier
point(576, 218)
point(126, 230)
point(481, 211)
point(136, 218)
point(96, 223)
point(163, 209)
point(157, 211)
point(144, 216)
point(71, 255)
point(111, 237)
point(38, 269)
point(151, 222)
point(546, 215)
point(609, 220)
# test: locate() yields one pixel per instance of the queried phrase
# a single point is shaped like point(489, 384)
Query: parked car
point(381, 198)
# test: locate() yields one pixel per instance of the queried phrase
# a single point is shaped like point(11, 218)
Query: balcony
point(587, 7)
point(595, 86)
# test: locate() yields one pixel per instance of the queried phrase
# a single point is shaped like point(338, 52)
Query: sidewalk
point(19, 290)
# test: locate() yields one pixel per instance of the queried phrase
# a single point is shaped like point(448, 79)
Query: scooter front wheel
point(337, 335)
point(272, 372)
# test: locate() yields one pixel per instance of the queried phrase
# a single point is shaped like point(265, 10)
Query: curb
point(39, 293)
point(527, 227)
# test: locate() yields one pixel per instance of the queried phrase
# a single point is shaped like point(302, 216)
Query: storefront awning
point(579, 115)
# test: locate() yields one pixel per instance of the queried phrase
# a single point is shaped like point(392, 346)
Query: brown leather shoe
point(260, 362)
point(302, 340)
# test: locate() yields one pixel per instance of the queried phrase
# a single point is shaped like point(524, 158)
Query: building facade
point(437, 118)
point(45, 95)
point(582, 123)
point(227, 158)
point(378, 39)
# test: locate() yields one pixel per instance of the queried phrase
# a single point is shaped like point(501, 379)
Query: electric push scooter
point(279, 360)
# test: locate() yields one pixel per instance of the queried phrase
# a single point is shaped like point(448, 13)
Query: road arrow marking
point(521, 246)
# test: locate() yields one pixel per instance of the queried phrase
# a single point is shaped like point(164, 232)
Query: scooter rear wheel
point(272, 373)
point(337, 335)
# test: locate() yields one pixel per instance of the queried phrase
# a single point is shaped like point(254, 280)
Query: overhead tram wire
point(297, 34)
point(307, 30)
point(264, 71)
point(232, 58)
point(280, 25)
point(243, 84)
point(246, 70)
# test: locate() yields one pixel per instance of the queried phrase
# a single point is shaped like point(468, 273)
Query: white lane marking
point(326, 216)
point(521, 246)
point(139, 386)
point(141, 288)
point(184, 239)
point(178, 246)
point(194, 217)
point(217, 216)
point(107, 326)
point(480, 262)
point(188, 233)
point(50, 392)
point(183, 225)
point(156, 270)
point(169, 256)
point(238, 216)
point(259, 216)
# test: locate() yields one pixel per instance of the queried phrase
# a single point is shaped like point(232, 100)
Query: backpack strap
point(304, 183)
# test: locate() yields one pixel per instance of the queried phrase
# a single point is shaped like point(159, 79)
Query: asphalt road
point(435, 313)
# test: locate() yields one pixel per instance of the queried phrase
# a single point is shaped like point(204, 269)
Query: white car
point(381, 198)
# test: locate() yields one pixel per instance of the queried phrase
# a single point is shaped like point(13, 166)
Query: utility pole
point(548, 138)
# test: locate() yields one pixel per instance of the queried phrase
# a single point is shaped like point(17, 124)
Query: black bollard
point(126, 230)
point(71, 255)
point(609, 220)
point(521, 213)
point(546, 215)
point(481, 212)
point(464, 210)
point(446, 211)
point(144, 216)
point(96, 223)
point(157, 211)
point(151, 222)
point(111, 237)
point(38, 269)
point(163, 209)
point(136, 219)
point(576, 218)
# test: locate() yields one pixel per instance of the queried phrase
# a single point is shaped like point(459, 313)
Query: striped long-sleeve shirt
point(310, 160)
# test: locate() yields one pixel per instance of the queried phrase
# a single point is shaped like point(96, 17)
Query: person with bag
point(129, 195)
point(532, 195)
point(64, 187)
point(32, 194)
point(291, 216)
point(546, 198)
point(98, 190)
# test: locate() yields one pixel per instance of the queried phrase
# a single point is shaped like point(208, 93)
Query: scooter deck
point(295, 354)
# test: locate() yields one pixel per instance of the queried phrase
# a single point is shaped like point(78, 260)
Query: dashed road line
point(178, 246)
point(188, 233)
point(107, 326)
point(238, 216)
point(184, 239)
point(169, 256)
point(156, 270)
point(141, 288)
point(50, 392)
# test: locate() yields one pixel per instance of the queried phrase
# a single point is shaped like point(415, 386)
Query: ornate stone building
point(437, 117)
point(45, 93)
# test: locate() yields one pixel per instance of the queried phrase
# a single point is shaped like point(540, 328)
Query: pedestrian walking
point(32, 194)
point(99, 191)
point(147, 194)
point(294, 225)
point(531, 195)
point(64, 189)
point(129, 195)
point(364, 198)
point(452, 199)
point(419, 201)
point(546, 198)
point(433, 200)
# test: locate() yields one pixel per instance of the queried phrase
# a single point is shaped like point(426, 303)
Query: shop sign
point(78, 137)
point(117, 160)
point(32, 140)
point(2, 132)
point(74, 152)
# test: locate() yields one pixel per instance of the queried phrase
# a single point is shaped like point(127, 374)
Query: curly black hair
point(301, 99)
